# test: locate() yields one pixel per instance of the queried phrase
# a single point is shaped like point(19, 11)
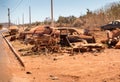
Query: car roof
point(114, 21)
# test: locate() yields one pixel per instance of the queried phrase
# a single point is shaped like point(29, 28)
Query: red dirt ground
point(83, 67)
point(87, 67)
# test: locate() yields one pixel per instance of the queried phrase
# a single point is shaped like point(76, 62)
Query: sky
point(40, 9)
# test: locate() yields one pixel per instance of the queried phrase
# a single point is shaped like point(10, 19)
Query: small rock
point(55, 59)
point(28, 72)
point(54, 78)
point(51, 76)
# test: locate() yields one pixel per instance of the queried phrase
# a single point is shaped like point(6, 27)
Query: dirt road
point(10, 69)
point(5, 74)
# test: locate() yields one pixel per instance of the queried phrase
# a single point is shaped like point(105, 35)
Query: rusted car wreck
point(49, 39)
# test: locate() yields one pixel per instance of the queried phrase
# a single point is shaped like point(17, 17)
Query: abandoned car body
point(48, 39)
point(73, 35)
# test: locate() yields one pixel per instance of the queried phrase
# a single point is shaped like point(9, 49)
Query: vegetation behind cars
point(90, 20)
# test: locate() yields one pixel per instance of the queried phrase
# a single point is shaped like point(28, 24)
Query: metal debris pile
point(47, 39)
point(113, 39)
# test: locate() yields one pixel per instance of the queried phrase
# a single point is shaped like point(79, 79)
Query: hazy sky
point(41, 8)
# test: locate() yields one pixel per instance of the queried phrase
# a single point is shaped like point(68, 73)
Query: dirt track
point(87, 67)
